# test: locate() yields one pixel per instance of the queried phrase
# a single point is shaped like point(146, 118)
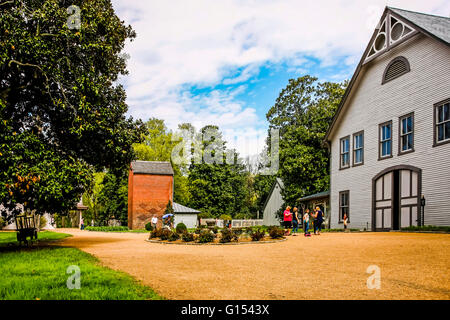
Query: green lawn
point(10, 239)
point(427, 228)
point(41, 273)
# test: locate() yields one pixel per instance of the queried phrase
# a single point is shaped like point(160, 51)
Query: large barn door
point(396, 198)
point(384, 201)
point(409, 200)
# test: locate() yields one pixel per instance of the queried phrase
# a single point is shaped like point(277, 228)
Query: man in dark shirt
point(318, 220)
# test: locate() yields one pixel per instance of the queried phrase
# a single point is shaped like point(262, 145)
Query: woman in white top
point(306, 221)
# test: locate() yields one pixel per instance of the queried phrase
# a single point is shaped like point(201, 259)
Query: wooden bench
point(26, 228)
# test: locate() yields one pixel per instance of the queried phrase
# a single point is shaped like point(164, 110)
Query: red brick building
point(150, 187)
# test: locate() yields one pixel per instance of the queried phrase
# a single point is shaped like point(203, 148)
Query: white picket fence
point(236, 223)
point(246, 223)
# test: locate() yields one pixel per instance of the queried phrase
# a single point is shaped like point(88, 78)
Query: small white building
point(185, 215)
point(390, 138)
point(273, 203)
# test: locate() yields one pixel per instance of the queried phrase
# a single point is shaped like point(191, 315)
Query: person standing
point(82, 223)
point(345, 221)
point(154, 222)
point(287, 220)
point(306, 222)
point(295, 221)
point(318, 220)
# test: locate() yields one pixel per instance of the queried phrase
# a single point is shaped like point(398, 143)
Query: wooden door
point(396, 198)
point(409, 198)
point(384, 201)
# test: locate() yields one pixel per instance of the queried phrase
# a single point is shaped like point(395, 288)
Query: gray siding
point(370, 104)
point(273, 205)
point(189, 219)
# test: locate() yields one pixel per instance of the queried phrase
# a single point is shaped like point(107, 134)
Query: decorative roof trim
point(360, 65)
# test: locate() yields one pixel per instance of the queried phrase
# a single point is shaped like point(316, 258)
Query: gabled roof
point(319, 195)
point(433, 26)
point(152, 167)
point(278, 182)
point(178, 208)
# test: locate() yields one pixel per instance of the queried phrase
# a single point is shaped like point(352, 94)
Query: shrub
point(165, 234)
point(199, 230)
point(156, 233)
point(228, 236)
point(148, 226)
point(173, 236)
point(276, 232)
point(238, 231)
point(248, 230)
point(181, 228)
point(225, 217)
point(187, 237)
point(214, 229)
point(206, 236)
point(257, 235)
point(210, 223)
point(2, 223)
point(108, 229)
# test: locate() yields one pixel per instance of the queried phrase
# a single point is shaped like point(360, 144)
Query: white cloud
point(183, 43)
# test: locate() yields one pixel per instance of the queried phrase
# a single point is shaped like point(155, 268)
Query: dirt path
point(329, 266)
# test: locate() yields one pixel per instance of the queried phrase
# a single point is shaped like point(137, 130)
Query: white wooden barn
point(273, 203)
point(390, 138)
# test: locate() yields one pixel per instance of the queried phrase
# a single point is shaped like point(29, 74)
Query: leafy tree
point(169, 208)
point(157, 146)
point(217, 188)
point(303, 112)
point(62, 112)
point(113, 198)
point(262, 186)
point(91, 199)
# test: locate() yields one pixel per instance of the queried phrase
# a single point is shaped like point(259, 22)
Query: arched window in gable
point(396, 68)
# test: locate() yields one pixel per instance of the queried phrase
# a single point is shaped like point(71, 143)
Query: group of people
point(166, 222)
point(295, 218)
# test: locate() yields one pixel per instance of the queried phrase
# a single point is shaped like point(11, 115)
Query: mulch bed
point(217, 242)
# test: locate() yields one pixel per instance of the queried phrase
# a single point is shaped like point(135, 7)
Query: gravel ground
point(329, 266)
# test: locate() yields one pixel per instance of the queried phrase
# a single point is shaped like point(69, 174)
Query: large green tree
point(62, 111)
point(303, 112)
point(113, 198)
point(217, 186)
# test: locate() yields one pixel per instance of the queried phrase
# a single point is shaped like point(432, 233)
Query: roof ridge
point(421, 13)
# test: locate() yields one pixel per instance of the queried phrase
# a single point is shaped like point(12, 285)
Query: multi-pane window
point(345, 152)
point(386, 139)
point(344, 205)
point(358, 148)
point(406, 141)
point(442, 121)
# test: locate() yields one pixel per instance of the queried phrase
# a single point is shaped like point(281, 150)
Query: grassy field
point(9, 238)
point(40, 272)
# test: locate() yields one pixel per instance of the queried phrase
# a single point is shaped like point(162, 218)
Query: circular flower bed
point(216, 236)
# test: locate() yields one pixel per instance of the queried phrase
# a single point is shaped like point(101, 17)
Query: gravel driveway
point(329, 266)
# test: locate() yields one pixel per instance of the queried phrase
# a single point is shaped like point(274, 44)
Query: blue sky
point(225, 62)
